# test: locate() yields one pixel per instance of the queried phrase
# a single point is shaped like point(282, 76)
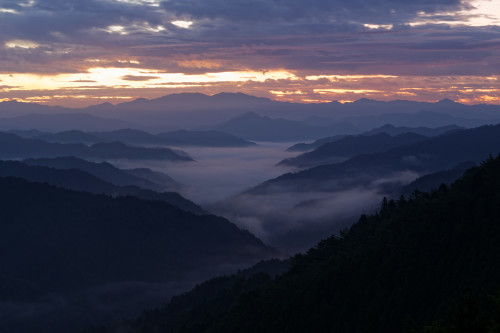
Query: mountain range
point(138, 137)
point(350, 146)
point(387, 129)
point(252, 126)
point(68, 177)
point(427, 156)
point(191, 111)
point(141, 177)
point(13, 146)
point(70, 259)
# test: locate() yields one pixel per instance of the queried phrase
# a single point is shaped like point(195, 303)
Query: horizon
point(115, 103)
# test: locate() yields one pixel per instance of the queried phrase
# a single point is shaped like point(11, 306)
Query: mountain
point(194, 110)
point(90, 258)
point(302, 147)
point(428, 156)
point(13, 146)
point(72, 136)
point(61, 122)
point(435, 118)
point(432, 181)
point(138, 137)
point(425, 131)
point(79, 180)
point(327, 197)
point(387, 128)
point(129, 136)
point(203, 138)
point(423, 264)
point(155, 177)
point(350, 146)
point(252, 126)
point(108, 172)
point(28, 134)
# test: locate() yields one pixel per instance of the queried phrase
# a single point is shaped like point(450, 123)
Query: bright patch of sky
point(154, 3)
point(182, 24)
point(133, 78)
point(24, 44)
point(485, 13)
point(7, 10)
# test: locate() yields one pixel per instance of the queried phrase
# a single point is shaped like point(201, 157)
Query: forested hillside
point(70, 259)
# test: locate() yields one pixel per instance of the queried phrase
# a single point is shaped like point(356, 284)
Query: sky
point(84, 52)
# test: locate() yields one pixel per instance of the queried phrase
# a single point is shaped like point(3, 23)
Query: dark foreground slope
point(398, 270)
point(67, 258)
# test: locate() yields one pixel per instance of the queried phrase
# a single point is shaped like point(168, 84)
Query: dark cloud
point(366, 11)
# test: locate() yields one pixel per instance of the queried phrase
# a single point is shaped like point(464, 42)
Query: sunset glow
point(153, 48)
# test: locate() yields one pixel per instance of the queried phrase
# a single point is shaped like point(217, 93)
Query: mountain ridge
point(224, 106)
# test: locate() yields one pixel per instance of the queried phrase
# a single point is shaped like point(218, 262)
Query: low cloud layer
point(218, 173)
point(293, 218)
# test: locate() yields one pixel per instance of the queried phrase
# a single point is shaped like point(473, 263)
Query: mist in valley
point(292, 220)
point(221, 172)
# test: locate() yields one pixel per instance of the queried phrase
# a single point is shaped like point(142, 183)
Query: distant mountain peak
point(446, 101)
point(251, 115)
point(387, 126)
point(365, 101)
point(139, 100)
point(182, 96)
point(238, 96)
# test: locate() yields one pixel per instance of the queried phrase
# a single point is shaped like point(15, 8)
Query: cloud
point(305, 38)
point(373, 11)
point(294, 219)
point(139, 77)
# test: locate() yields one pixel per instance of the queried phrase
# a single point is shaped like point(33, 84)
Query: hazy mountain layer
point(425, 131)
point(350, 146)
point(13, 146)
point(109, 173)
point(252, 126)
point(432, 181)
point(76, 179)
point(138, 137)
point(190, 110)
point(428, 156)
point(387, 129)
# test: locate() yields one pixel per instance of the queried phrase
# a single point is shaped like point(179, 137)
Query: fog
point(99, 305)
point(295, 220)
point(219, 173)
point(291, 218)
